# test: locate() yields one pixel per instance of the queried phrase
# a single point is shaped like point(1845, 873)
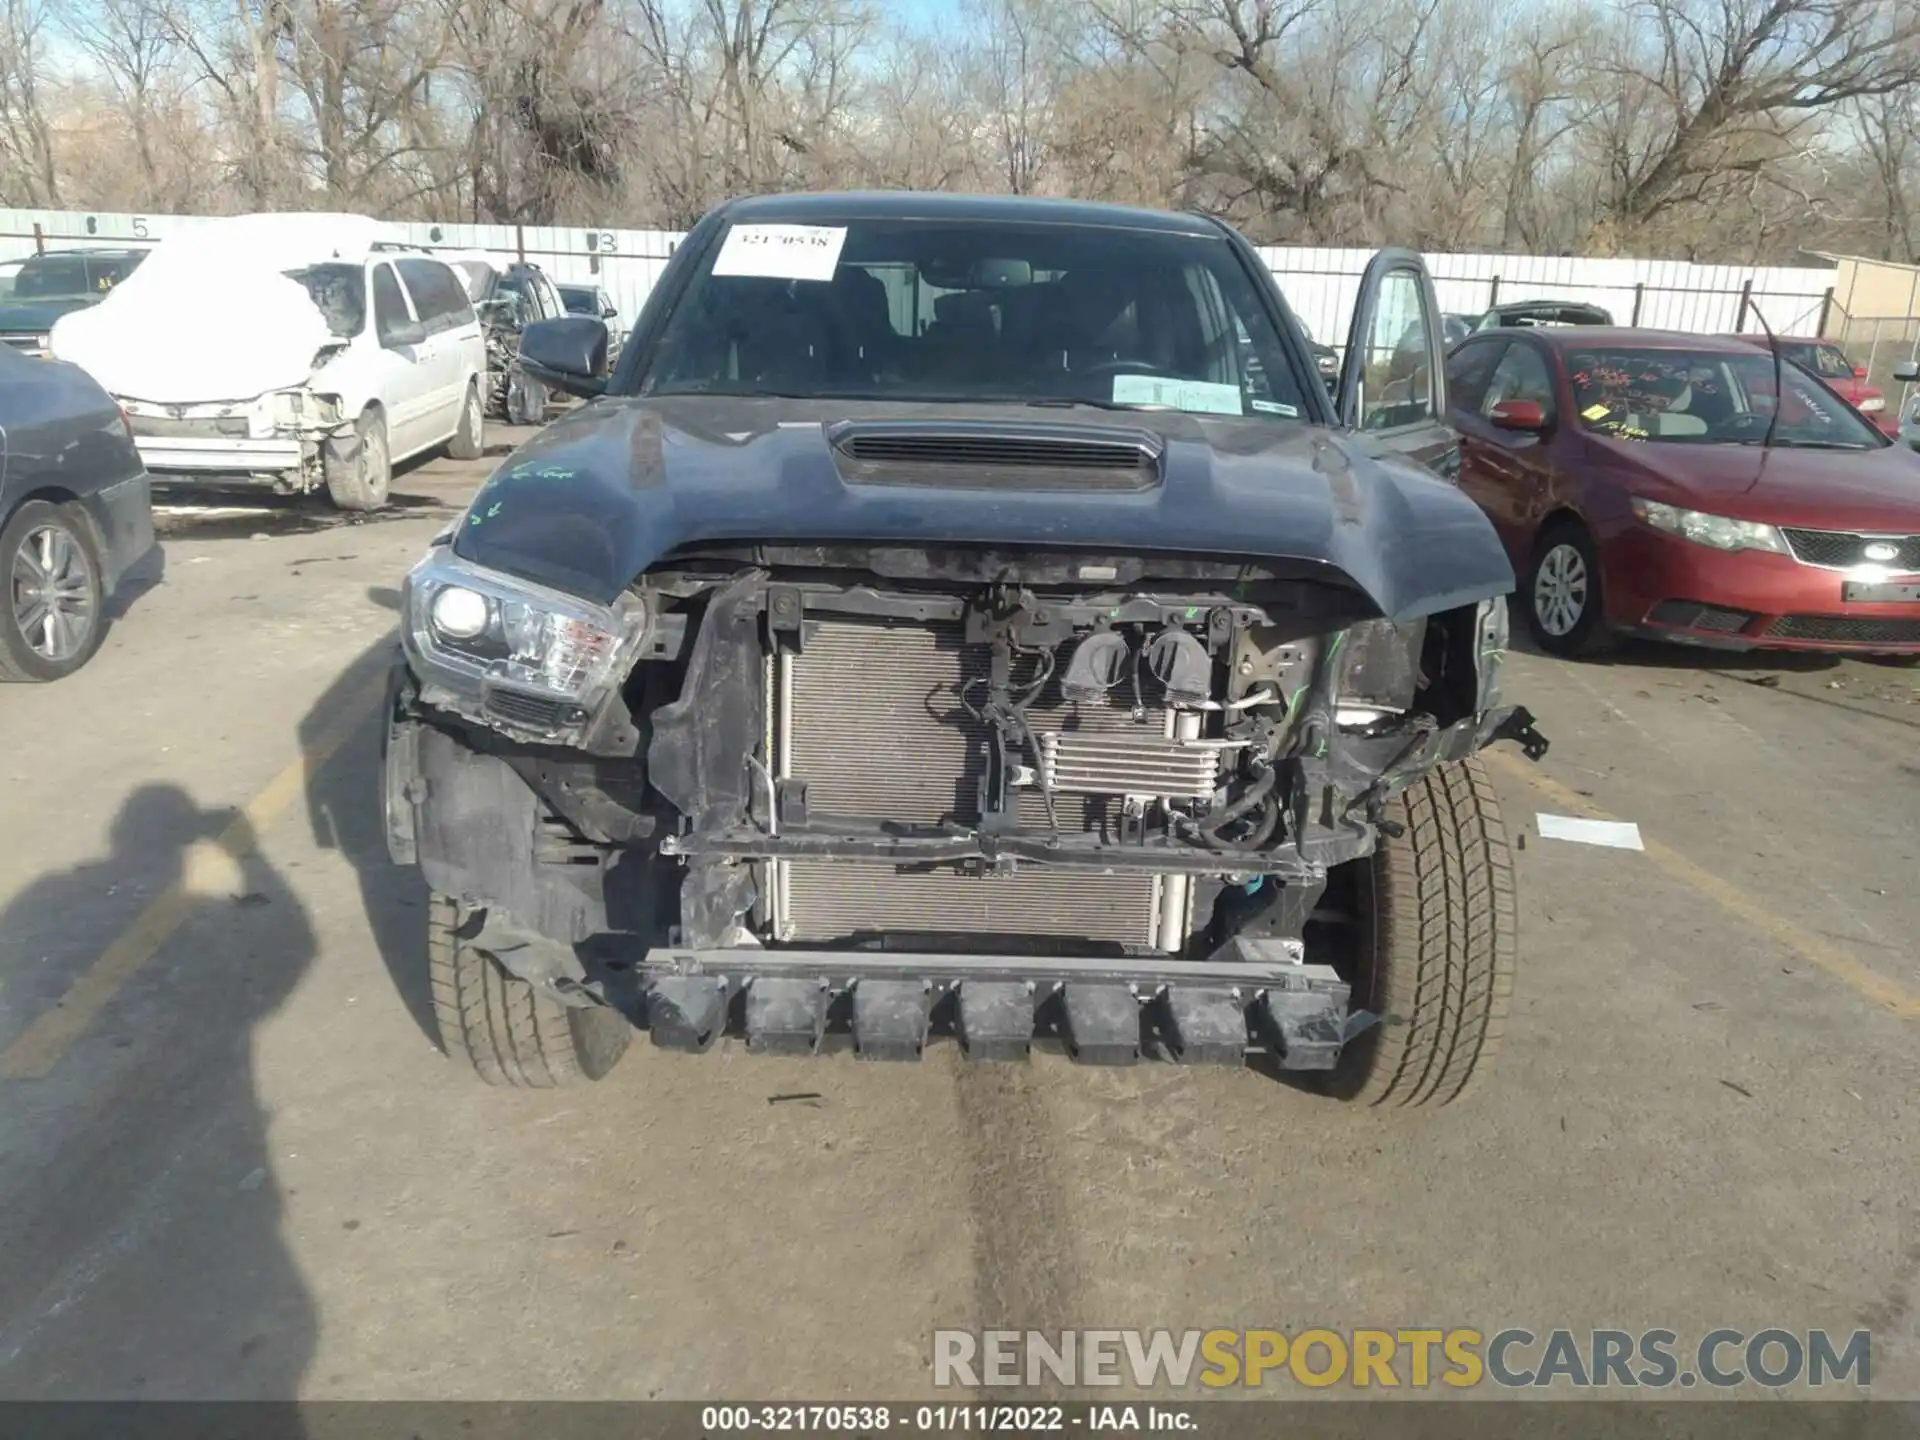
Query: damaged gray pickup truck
point(970, 618)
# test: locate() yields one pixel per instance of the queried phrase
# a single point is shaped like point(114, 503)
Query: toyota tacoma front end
point(851, 724)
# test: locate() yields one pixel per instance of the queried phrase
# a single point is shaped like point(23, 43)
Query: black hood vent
point(993, 455)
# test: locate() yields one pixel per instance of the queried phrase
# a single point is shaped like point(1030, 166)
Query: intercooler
point(870, 716)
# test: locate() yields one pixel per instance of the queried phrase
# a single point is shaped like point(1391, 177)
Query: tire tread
point(511, 1034)
point(1444, 941)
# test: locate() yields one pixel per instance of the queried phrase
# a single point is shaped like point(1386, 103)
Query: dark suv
point(941, 623)
point(52, 284)
point(508, 298)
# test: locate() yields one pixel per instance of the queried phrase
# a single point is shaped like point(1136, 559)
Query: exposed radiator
point(878, 731)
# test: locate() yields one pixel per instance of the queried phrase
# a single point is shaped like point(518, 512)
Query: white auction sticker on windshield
point(781, 252)
point(1198, 395)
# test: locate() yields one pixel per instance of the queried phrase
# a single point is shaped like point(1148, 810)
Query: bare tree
point(1017, 72)
point(1723, 88)
point(1890, 139)
point(28, 134)
point(928, 139)
point(360, 67)
point(1714, 128)
point(135, 54)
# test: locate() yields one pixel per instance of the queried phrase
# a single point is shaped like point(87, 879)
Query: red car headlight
point(1718, 532)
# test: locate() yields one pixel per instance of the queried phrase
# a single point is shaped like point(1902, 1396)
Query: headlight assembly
point(1715, 531)
point(474, 632)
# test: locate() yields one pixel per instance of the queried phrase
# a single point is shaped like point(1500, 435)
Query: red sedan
point(1829, 363)
point(1643, 483)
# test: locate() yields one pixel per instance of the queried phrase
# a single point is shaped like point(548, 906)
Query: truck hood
point(609, 490)
point(1875, 490)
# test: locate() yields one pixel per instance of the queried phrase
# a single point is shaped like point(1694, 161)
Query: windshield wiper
point(1780, 444)
point(1058, 403)
point(705, 392)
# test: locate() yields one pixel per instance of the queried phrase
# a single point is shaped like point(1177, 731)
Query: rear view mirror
point(1001, 274)
point(1907, 370)
point(568, 353)
point(1519, 415)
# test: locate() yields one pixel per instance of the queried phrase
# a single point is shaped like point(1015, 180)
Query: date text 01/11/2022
point(944, 1419)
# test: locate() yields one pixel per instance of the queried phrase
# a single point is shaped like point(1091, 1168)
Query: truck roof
point(918, 205)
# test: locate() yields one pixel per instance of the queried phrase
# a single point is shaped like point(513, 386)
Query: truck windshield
point(976, 311)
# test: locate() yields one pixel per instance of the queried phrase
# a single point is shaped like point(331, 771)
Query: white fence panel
point(1320, 284)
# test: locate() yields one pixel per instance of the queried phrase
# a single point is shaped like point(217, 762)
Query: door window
point(1826, 361)
point(1398, 381)
point(1521, 375)
point(109, 272)
point(1469, 369)
point(389, 304)
point(437, 294)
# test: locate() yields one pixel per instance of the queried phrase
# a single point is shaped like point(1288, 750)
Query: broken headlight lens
point(468, 627)
point(1715, 531)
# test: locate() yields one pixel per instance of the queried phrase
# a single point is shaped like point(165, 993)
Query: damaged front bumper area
point(821, 810)
point(273, 439)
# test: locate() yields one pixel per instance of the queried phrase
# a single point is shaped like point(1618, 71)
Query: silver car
point(1909, 371)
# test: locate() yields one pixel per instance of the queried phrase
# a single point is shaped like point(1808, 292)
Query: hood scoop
point(996, 455)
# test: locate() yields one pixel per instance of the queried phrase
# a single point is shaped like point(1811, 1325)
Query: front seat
point(861, 316)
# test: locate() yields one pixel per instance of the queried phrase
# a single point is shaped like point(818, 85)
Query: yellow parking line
point(38, 1048)
point(1836, 961)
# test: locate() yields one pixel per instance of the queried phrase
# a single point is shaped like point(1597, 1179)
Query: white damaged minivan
point(296, 352)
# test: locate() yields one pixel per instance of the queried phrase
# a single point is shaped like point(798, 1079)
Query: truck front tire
point(1435, 932)
point(511, 1033)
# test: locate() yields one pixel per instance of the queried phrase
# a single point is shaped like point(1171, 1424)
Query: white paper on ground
point(781, 252)
point(1617, 834)
point(1203, 396)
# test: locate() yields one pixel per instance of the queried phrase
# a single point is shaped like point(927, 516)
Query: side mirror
point(404, 332)
point(569, 353)
point(1519, 415)
point(1908, 370)
point(1859, 372)
point(608, 312)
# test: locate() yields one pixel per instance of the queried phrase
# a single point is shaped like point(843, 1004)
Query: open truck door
point(1393, 379)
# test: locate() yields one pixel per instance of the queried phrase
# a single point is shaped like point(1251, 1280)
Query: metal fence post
point(1493, 292)
point(1826, 312)
point(1746, 299)
point(1639, 294)
point(39, 239)
point(520, 242)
